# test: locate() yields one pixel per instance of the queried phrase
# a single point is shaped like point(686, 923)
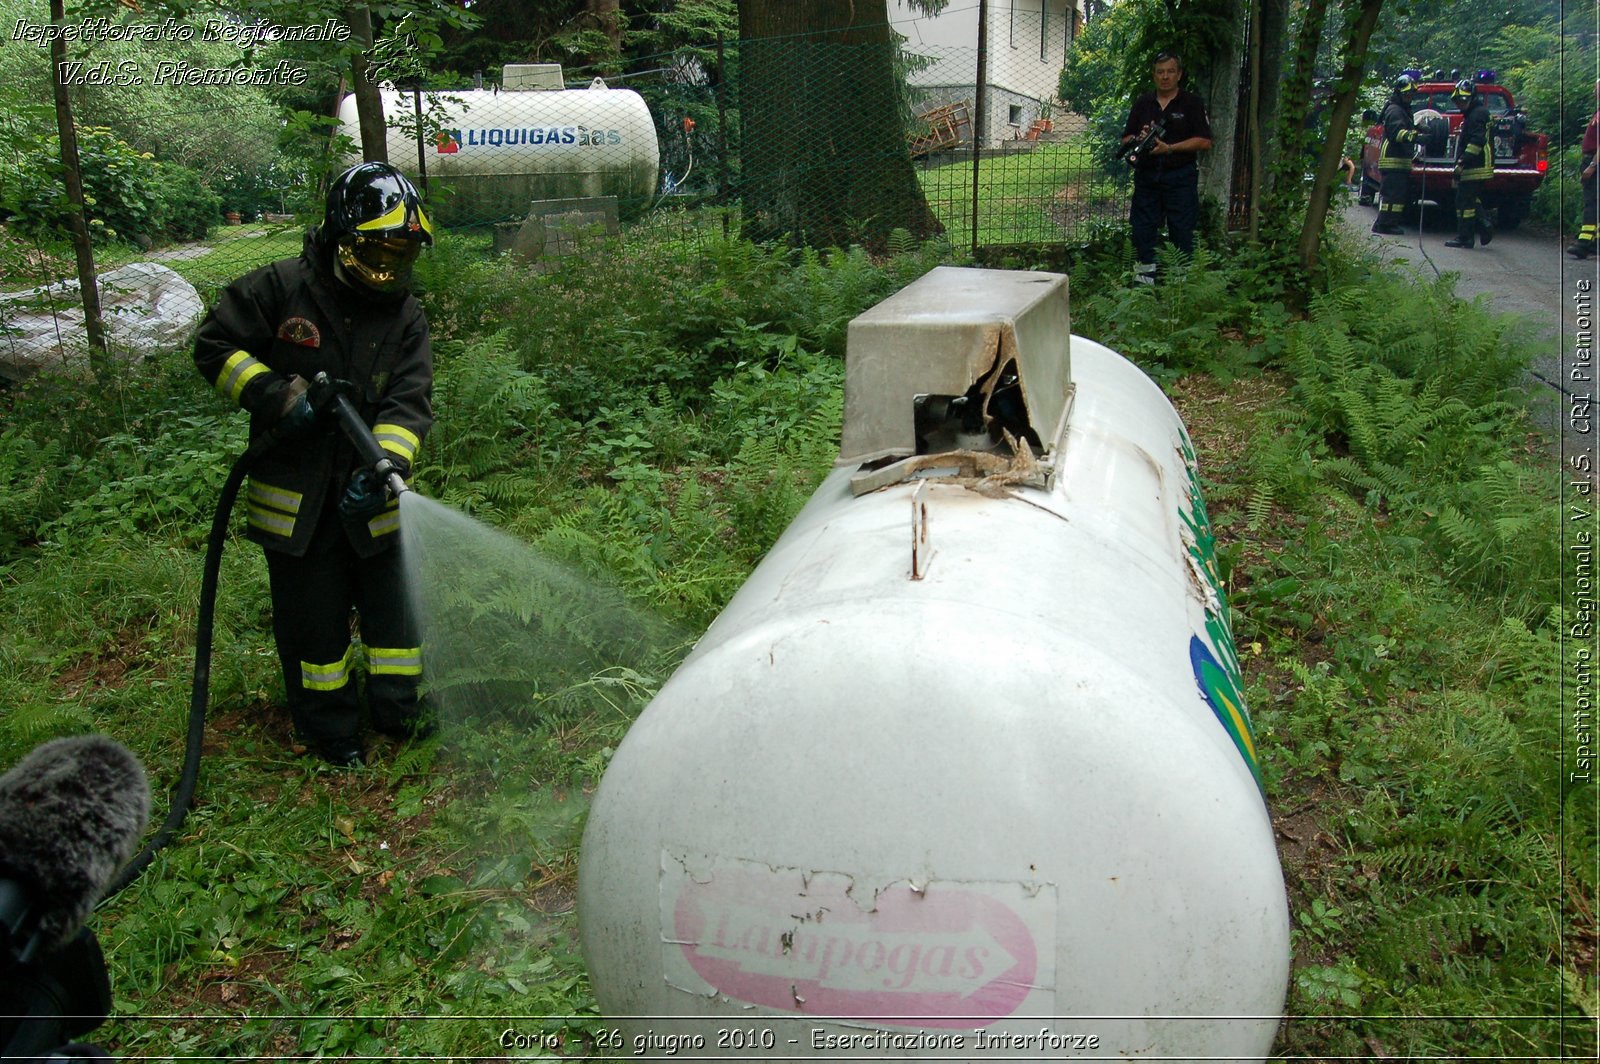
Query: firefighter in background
point(1589, 171)
point(1474, 166)
point(1394, 159)
point(343, 308)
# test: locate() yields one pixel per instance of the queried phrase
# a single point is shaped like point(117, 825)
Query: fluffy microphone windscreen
point(71, 814)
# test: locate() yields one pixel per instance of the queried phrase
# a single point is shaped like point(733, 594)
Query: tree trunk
point(1216, 79)
point(1288, 146)
point(825, 161)
point(605, 15)
point(1274, 27)
point(77, 225)
point(1253, 120)
point(369, 105)
point(1344, 105)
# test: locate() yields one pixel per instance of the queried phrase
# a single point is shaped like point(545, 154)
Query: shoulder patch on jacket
point(300, 331)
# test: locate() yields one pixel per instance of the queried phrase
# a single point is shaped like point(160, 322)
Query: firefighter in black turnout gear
point(1394, 158)
point(1589, 180)
point(1474, 166)
point(328, 527)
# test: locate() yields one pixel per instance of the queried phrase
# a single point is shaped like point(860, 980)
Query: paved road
point(1524, 272)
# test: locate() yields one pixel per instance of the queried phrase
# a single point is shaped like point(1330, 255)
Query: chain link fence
point(941, 129)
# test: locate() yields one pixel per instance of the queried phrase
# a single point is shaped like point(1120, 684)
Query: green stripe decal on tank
point(1213, 657)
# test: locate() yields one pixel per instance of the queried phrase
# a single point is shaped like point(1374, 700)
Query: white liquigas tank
point(499, 150)
point(963, 771)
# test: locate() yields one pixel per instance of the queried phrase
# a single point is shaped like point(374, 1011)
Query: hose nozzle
point(396, 482)
point(366, 444)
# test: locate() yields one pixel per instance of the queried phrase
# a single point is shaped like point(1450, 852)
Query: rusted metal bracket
point(921, 551)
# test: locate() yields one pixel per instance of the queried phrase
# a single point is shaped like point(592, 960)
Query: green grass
point(236, 250)
point(208, 264)
point(1413, 738)
point(1051, 193)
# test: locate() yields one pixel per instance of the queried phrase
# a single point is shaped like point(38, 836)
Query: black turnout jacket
point(295, 318)
point(1474, 151)
point(1399, 134)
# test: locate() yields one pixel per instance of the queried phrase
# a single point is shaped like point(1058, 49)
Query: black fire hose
point(368, 449)
point(199, 695)
point(325, 396)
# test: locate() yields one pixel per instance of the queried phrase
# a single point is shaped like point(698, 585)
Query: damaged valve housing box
point(964, 769)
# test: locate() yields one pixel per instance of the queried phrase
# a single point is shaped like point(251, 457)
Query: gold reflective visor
point(381, 263)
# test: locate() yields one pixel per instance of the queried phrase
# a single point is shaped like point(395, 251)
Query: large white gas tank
point(500, 151)
point(963, 771)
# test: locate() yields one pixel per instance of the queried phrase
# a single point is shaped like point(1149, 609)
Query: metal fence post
point(980, 121)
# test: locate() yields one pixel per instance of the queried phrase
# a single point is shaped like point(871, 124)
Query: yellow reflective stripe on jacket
point(239, 370)
point(272, 509)
point(270, 521)
point(277, 498)
point(315, 677)
point(397, 439)
point(386, 522)
point(1476, 163)
point(394, 661)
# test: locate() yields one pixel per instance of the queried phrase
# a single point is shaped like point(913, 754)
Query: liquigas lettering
point(451, 141)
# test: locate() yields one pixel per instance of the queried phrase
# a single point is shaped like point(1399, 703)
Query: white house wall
point(1028, 42)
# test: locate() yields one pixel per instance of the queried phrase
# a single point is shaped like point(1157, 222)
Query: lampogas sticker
point(940, 953)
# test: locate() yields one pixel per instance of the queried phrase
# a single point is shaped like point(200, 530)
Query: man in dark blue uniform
point(1166, 178)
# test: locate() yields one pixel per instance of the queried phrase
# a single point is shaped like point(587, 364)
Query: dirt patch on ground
point(1223, 420)
point(1308, 851)
point(108, 667)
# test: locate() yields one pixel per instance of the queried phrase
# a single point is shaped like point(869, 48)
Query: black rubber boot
point(1579, 250)
point(397, 709)
point(342, 753)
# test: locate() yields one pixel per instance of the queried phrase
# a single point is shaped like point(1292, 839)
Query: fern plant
point(480, 462)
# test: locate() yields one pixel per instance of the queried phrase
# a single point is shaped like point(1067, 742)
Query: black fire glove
point(364, 497)
point(298, 420)
point(298, 416)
